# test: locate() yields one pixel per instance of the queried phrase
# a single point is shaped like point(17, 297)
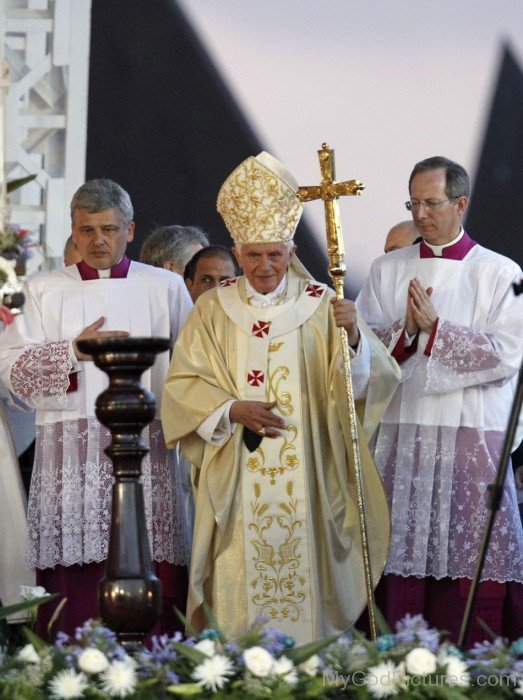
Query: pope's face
point(210, 271)
point(264, 264)
point(101, 238)
point(441, 224)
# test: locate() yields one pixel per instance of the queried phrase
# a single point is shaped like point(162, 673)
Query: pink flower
point(6, 317)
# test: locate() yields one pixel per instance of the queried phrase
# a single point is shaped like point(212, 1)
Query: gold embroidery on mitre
point(278, 586)
point(259, 202)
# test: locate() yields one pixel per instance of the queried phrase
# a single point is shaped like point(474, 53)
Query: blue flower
point(517, 647)
point(209, 634)
point(385, 642)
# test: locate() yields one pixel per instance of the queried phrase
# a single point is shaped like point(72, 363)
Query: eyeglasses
point(431, 204)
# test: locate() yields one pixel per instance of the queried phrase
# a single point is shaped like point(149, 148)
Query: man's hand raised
point(93, 332)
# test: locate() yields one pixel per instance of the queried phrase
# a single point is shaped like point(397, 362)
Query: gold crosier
point(329, 191)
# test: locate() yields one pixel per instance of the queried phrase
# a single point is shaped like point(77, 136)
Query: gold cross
point(329, 191)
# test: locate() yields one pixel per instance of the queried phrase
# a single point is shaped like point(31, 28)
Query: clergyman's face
point(101, 238)
point(264, 264)
point(210, 271)
point(440, 225)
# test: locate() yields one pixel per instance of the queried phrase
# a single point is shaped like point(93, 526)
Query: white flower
point(385, 679)
point(258, 661)
point(519, 689)
point(8, 268)
point(213, 673)
point(457, 672)
point(311, 666)
point(68, 684)
point(420, 662)
point(30, 592)
point(93, 661)
point(285, 668)
point(206, 646)
point(28, 654)
point(119, 679)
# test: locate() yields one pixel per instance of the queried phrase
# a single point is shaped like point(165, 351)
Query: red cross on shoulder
point(314, 290)
point(261, 328)
point(227, 283)
point(255, 377)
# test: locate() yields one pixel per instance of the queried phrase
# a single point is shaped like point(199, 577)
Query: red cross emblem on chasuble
point(260, 328)
point(314, 290)
point(255, 377)
point(227, 283)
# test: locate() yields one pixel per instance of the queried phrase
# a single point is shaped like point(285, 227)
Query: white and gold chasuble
point(276, 530)
point(273, 483)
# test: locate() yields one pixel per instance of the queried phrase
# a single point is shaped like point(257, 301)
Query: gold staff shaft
point(329, 191)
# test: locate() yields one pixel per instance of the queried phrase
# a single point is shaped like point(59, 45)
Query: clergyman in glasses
point(446, 310)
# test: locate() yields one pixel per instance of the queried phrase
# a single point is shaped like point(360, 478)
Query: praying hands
point(421, 314)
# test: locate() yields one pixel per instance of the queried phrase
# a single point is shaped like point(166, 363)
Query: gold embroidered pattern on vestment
point(278, 589)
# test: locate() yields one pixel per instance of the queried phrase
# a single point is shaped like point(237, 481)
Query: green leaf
point(26, 605)
point(486, 628)
point(185, 689)
point(300, 654)
point(192, 631)
point(54, 616)
point(214, 623)
point(35, 640)
point(194, 655)
point(381, 622)
point(13, 185)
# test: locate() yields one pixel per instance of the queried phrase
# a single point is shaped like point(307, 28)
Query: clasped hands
point(421, 314)
point(93, 332)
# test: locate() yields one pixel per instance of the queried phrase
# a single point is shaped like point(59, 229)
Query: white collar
point(261, 300)
point(438, 249)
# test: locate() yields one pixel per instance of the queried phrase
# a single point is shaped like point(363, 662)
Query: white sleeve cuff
point(217, 428)
point(360, 367)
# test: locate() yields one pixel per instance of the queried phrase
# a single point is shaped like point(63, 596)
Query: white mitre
point(259, 201)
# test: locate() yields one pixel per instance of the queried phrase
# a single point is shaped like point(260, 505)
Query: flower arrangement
point(16, 244)
point(9, 286)
point(15, 250)
point(413, 663)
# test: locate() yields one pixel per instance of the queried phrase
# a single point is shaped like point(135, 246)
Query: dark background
point(162, 123)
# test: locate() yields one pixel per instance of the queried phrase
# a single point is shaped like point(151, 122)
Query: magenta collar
point(451, 252)
point(117, 272)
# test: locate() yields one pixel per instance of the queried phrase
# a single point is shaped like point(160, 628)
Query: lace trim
point(390, 333)
point(42, 372)
point(69, 508)
point(436, 480)
point(462, 357)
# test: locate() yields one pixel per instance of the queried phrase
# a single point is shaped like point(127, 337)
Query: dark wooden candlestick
point(130, 594)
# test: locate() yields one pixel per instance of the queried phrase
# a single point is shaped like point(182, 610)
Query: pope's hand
point(345, 316)
point(257, 416)
point(93, 332)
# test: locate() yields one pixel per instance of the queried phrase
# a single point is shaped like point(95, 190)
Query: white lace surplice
point(70, 499)
point(439, 442)
point(65, 529)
